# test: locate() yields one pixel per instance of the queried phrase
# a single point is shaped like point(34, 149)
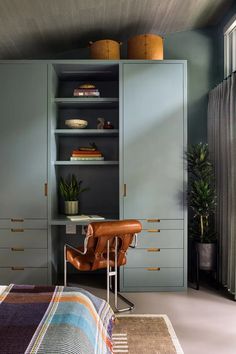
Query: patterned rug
point(144, 334)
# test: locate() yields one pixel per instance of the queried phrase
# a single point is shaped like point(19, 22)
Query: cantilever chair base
point(108, 243)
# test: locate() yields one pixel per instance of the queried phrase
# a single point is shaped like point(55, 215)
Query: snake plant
point(70, 189)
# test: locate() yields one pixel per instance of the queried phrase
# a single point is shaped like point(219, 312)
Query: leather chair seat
point(85, 262)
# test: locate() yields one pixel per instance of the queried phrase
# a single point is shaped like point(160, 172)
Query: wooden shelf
point(95, 162)
point(87, 102)
point(86, 132)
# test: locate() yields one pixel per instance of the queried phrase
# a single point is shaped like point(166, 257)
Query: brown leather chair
point(105, 246)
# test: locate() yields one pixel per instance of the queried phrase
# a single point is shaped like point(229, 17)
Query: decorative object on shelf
point(88, 153)
point(145, 46)
point(70, 191)
point(202, 201)
point(86, 90)
point(76, 123)
point(100, 123)
point(108, 125)
point(105, 49)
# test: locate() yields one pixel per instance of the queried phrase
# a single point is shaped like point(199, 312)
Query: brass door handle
point(17, 220)
point(153, 220)
point(17, 268)
point(153, 268)
point(16, 249)
point(153, 249)
point(45, 189)
point(125, 190)
point(154, 230)
point(17, 230)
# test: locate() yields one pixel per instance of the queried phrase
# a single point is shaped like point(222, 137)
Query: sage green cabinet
point(153, 173)
point(23, 140)
point(23, 176)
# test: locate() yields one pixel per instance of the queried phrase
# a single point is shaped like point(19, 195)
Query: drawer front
point(175, 224)
point(161, 238)
point(18, 222)
point(20, 257)
point(19, 237)
point(154, 258)
point(142, 277)
point(24, 276)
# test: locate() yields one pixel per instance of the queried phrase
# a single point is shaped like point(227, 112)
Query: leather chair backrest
point(99, 233)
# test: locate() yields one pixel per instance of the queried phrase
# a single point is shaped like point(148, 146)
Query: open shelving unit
point(101, 177)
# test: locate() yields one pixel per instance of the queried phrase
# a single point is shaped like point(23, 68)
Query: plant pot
point(71, 207)
point(207, 256)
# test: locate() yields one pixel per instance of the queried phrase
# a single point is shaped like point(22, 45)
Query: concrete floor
point(204, 320)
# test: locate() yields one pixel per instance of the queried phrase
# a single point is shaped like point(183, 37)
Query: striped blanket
point(54, 320)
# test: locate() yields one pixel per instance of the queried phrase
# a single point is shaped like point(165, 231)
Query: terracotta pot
point(105, 49)
point(71, 207)
point(207, 255)
point(145, 46)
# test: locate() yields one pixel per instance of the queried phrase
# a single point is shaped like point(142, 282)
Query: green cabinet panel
point(154, 257)
point(23, 257)
point(23, 140)
point(153, 129)
point(23, 238)
point(136, 279)
point(29, 276)
point(161, 239)
point(23, 223)
point(153, 172)
point(163, 224)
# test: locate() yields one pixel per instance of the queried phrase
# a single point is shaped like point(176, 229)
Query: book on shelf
point(85, 153)
point(93, 158)
point(85, 217)
point(86, 92)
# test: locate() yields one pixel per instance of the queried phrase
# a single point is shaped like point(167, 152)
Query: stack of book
point(86, 92)
point(86, 155)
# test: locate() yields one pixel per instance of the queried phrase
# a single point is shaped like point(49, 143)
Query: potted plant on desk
point(70, 191)
point(202, 202)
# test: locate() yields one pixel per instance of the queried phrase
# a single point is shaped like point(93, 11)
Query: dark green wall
point(199, 48)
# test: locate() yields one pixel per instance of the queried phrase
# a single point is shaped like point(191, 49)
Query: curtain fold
point(222, 146)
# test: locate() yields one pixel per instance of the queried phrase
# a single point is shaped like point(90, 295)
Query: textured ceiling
point(41, 28)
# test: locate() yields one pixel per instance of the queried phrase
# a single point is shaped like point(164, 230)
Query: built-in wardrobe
point(142, 176)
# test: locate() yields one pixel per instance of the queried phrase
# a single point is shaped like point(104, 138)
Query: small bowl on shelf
point(76, 123)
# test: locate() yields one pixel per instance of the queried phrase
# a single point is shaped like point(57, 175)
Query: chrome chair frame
point(110, 273)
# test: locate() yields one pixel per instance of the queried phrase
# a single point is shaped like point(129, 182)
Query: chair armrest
point(135, 241)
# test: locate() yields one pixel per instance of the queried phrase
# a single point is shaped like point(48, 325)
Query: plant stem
point(202, 227)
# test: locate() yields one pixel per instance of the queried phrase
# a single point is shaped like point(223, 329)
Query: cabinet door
point(23, 140)
point(153, 135)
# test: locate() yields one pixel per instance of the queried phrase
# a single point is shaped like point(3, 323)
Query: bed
point(53, 319)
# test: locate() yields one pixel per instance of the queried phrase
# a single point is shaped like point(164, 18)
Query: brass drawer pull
point(153, 268)
point(17, 230)
point(153, 249)
point(154, 230)
point(153, 220)
point(17, 268)
point(17, 249)
point(17, 220)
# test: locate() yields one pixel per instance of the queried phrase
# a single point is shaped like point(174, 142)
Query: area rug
point(144, 334)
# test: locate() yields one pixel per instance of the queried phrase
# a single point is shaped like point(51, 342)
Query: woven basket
point(145, 46)
point(105, 49)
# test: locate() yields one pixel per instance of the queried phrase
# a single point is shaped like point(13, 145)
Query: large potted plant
point(202, 202)
point(70, 191)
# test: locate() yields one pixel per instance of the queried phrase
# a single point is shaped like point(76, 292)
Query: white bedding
point(2, 288)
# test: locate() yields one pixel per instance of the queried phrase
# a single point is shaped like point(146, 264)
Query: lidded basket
point(145, 46)
point(105, 49)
